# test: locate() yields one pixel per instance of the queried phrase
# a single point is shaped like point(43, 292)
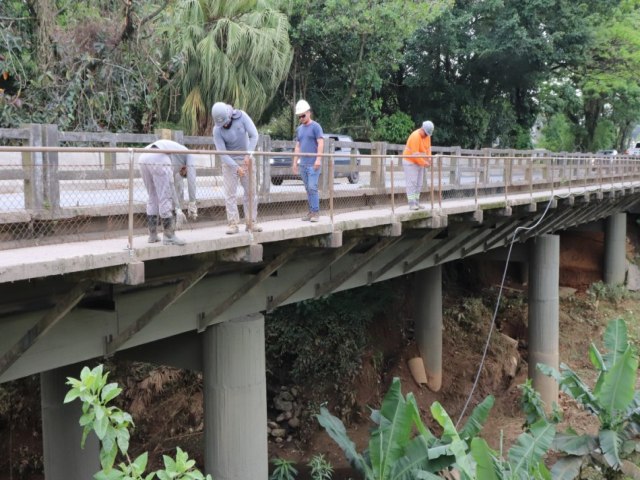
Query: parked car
point(606, 153)
point(635, 150)
point(281, 166)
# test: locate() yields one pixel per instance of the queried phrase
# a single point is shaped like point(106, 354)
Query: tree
point(476, 70)
point(346, 53)
point(237, 52)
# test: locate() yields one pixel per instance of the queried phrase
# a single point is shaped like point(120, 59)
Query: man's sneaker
point(413, 206)
point(307, 217)
point(256, 227)
point(232, 228)
point(314, 217)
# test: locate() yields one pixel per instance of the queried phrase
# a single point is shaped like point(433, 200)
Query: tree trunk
point(45, 12)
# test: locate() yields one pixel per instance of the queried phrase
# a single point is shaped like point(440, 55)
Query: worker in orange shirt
point(417, 156)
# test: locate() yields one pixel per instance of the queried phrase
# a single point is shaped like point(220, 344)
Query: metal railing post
point(393, 190)
point(331, 167)
point(130, 245)
point(252, 193)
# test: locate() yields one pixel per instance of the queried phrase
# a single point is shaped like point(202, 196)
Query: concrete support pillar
point(615, 259)
point(61, 432)
point(428, 294)
point(235, 399)
point(544, 313)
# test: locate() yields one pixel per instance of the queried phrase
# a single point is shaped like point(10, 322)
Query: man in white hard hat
point(157, 170)
point(234, 130)
point(309, 143)
point(417, 157)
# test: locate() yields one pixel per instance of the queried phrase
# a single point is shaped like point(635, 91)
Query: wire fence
point(57, 187)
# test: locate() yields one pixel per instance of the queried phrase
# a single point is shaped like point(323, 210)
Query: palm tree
point(232, 51)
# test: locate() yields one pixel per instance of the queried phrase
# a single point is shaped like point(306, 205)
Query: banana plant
point(525, 457)
point(395, 452)
point(613, 400)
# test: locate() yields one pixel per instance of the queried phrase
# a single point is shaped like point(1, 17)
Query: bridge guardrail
point(52, 190)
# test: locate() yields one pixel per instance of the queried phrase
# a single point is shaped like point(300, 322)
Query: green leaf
point(108, 457)
point(567, 468)
point(100, 426)
point(531, 447)
point(415, 458)
point(485, 466)
point(113, 474)
point(618, 386)
point(387, 442)
point(478, 417)
point(573, 444)
point(335, 429)
point(141, 463)
point(71, 395)
point(615, 341)
point(610, 443)
point(109, 392)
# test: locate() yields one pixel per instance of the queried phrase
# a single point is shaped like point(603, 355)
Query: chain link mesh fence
point(69, 186)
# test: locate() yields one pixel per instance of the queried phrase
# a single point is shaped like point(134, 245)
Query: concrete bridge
point(78, 280)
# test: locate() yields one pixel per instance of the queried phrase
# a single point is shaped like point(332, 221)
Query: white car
point(635, 150)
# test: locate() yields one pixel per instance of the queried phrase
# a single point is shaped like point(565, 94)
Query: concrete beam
point(46, 323)
point(615, 241)
point(324, 263)
point(249, 254)
point(112, 345)
point(271, 267)
point(428, 297)
point(129, 274)
point(327, 240)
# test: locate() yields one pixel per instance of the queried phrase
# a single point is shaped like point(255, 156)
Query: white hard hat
point(427, 127)
point(302, 106)
point(221, 113)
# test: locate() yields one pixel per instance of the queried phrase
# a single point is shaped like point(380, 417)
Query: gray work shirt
point(241, 136)
point(179, 160)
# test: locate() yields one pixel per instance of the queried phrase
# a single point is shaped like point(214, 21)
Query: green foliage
point(533, 407)
point(236, 52)
point(321, 469)
point(613, 401)
point(284, 470)
point(111, 425)
point(394, 128)
point(319, 343)
point(602, 291)
point(402, 447)
point(557, 135)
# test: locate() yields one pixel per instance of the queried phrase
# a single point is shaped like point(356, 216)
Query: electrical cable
point(495, 312)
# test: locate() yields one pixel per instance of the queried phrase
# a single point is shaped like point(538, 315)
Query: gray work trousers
point(157, 175)
point(413, 179)
point(230, 177)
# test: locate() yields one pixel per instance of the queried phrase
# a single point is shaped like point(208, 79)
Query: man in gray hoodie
point(234, 131)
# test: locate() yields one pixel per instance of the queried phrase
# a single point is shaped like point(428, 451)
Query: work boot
point(232, 228)
point(307, 217)
point(256, 227)
point(413, 206)
point(169, 237)
point(152, 223)
point(314, 217)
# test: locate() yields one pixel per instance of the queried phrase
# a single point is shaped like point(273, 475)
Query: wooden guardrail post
point(32, 167)
point(329, 147)
point(51, 180)
point(264, 166)
point(378, 165)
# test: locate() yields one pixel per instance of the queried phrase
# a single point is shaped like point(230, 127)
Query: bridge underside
point(56, 320)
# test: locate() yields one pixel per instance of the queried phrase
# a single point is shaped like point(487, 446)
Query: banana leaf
point(335, 429)
point(618, 387)
point(478, 417)
point(389, 440)
point(611, 445)
point(574, 444)
point(484, 457)
point(531, 446)
point(615, 341)
point(567, 468)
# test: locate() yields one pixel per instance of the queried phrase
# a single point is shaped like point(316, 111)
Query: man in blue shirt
point(234, 131)
point(309, 143)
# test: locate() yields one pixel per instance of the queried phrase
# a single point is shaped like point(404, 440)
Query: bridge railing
point(68, 186)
